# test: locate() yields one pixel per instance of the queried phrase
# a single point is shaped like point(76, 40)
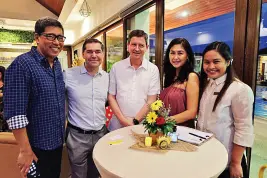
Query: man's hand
point(128, 121)
point(24, 161)
point(236, 170)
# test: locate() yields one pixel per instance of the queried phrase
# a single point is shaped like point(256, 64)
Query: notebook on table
point(192, 136)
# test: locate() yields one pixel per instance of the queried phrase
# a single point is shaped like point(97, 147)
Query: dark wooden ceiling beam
point(55, 6)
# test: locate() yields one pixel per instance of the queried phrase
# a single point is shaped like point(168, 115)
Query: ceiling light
point(184, 14)
point(85, 10)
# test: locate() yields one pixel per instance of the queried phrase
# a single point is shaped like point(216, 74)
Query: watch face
point(135, 121)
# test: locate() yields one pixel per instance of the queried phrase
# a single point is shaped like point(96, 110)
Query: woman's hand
point(236, 170)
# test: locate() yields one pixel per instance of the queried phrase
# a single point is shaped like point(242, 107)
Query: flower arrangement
point(158, 120)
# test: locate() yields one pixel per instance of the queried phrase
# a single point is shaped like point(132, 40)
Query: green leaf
point(16, 36)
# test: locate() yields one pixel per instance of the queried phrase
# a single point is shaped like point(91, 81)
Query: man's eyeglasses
point(52, 37)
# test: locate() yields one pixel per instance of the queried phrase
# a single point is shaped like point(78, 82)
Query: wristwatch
point(135, 121)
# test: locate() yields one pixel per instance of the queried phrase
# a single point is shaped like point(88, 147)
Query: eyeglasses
point(52, 37)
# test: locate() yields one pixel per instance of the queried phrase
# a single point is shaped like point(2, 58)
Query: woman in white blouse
point(226, 106)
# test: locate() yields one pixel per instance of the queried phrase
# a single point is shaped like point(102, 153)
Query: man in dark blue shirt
point(35, 101)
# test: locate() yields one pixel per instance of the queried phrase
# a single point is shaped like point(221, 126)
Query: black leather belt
point(81, 130)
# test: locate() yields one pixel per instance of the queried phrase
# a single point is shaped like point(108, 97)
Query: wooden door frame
point(251, 51)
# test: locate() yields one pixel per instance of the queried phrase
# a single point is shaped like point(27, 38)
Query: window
point(200, 22)
point(114, 40)
point(258, 156)
point(145, 20)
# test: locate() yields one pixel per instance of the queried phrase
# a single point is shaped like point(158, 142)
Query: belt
point(81, 130)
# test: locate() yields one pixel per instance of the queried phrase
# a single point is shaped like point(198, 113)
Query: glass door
point(259, 149)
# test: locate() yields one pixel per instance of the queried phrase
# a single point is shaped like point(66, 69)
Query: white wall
point(102, 10)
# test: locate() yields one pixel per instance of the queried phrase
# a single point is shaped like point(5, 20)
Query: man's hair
point(137, 33)
point(92, 40)
point(44, 22)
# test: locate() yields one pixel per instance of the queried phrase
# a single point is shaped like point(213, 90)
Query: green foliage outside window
point(15, 36)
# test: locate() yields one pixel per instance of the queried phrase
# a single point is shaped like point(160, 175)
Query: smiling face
point(177, 56)
point(137, 48)
point(49, 49)
point(214, 65)
point(93, 55)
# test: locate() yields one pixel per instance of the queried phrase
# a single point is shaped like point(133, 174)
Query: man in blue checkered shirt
point(35, 101)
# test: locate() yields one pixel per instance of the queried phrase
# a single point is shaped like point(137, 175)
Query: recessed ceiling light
point(184, 14)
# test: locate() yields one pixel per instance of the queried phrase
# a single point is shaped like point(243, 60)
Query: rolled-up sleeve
point(242, 107)
point(16, 94)
point(154, 86)
point(112, 81)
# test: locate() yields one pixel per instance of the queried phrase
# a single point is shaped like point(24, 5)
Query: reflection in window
point(145, 20)
point(259, 156)
point(114, 45)
point(200, 22)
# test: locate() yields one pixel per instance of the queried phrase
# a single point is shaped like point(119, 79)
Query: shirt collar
point(84, 71)
point(38, 56)
point(144, 63)
point(219, 80)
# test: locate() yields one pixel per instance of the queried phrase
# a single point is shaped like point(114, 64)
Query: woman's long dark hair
point(186, 69)
point(224, 50)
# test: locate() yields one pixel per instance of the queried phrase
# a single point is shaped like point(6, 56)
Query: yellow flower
point(151, 117)
point(156, 105)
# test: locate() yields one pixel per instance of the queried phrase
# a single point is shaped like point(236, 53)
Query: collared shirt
point(34, 98)
point(132, 87)
point(231, 122)
point(86, 96)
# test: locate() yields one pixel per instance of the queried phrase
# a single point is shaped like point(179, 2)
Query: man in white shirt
point(86, 88)
point(134, 84)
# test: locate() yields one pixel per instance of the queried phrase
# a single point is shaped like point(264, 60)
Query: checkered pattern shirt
point(34, 98)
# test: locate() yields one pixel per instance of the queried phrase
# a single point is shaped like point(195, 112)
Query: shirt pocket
point(124, 89)
point(223, 112)
point(101, 91)
point(100, 94)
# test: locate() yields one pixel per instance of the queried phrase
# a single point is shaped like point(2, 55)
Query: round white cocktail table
point(118, 160)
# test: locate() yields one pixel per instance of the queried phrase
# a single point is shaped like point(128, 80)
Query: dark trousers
point(49, 162)
point(226, 172)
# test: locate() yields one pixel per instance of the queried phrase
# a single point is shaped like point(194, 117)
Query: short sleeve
point(112, 81)
point(242, 107)
point(154, 86)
